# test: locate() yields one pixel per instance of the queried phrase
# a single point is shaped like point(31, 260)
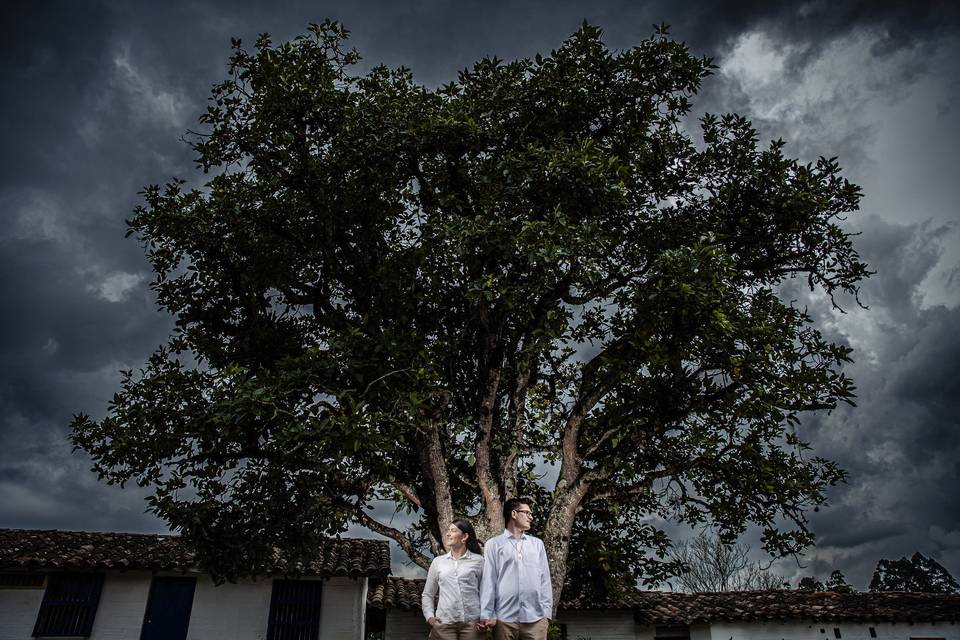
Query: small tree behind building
point(810, 583)
point(919, 573)
point(709, 564)
point(837, 583)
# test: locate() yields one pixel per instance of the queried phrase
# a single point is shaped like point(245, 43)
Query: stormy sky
point(96, 96)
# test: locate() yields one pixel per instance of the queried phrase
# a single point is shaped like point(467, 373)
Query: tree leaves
point(919, 573)
point(389, 291)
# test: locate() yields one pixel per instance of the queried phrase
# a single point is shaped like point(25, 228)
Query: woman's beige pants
point(456, 631)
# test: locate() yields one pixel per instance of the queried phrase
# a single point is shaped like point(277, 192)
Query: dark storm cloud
point(904, 23)
point(901, 443)
point(97, 94)
point(61, 354)
point(839, 532)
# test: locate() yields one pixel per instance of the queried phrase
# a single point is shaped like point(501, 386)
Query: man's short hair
point(512, 505)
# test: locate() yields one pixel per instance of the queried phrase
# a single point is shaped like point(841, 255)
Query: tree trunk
point(435, 467)
point(488, 525)
point(557, 530)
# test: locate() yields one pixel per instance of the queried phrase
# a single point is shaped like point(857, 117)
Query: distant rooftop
point(658, 607)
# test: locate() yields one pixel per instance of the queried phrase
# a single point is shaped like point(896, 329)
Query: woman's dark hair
point(472, 543)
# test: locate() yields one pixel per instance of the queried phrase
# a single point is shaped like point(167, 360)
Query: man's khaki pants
point(456, 631)
point(521, 630)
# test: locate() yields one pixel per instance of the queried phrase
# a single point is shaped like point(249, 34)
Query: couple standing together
point(505, 587)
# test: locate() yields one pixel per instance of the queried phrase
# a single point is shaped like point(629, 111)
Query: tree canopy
point(919, 573)
point(837, 583)
point(531, 280)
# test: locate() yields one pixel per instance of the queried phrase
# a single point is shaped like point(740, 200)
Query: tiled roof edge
point(64, 550)
point(658, 607)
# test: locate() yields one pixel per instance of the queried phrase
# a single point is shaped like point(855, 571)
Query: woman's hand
point(433, 621)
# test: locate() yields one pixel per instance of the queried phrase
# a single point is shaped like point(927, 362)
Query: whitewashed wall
point(18, 612)
point(619, 625)
point(812, 631)
point(238, 610)
point(589, 625)
point(228, 612)
point(848, 631)
point(697, 632)
point(123, 602)
point(119, 615)
point(344, 607)
point(598, 625)
point(405, 625)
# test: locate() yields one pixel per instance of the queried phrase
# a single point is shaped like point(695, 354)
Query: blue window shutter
point(69, 605)
point(295, 610)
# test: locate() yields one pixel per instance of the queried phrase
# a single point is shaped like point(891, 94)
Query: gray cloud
point(901, 443)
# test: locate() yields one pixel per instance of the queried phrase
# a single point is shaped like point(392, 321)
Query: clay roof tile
point(55, 549)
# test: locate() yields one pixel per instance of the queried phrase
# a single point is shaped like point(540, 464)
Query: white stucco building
point(393, 613)
point(114, 586)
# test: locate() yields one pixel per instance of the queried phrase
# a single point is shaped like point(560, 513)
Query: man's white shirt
point(458, 583)
point(516, 580)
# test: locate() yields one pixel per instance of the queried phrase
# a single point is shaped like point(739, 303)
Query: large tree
point(530, 280)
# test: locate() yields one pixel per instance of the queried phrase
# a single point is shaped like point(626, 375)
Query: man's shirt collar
point(507, 534)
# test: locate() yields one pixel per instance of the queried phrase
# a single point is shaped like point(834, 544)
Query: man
point(516, 597)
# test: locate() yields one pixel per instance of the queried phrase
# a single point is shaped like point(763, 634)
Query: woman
point(456, 577)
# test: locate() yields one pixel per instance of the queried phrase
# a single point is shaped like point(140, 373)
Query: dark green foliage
point(611, 559)
point(919, 573)
point(386, 291)
point(810, 583)
point(837, 583)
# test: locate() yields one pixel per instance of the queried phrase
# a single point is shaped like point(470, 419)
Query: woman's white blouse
point(458, 582)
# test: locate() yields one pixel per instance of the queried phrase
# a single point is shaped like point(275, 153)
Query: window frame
point(301, 600)
point(185, 579)
point(9, 580)
point(671, 632)
point(375, 623)
point(69, 605)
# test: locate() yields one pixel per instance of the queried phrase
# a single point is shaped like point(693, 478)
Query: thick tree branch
point(435, 468)
point(599, 442)
point(491, 372)
point(637, 489)
point(592, 389)
point(428, 197)
point(604, 289)
point(488, 484)
point(516, 420)
point(408, 492)
point(559, 527)
point(396, 535)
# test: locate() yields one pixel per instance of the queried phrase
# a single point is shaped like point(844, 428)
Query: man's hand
point(434, 620)
point(487, 623)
